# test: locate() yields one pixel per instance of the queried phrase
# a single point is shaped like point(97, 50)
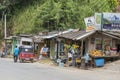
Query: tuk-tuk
point(26, 54)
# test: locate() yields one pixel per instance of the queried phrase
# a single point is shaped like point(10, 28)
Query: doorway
point(118, 48)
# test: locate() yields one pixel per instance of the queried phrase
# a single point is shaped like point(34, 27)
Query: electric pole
point(5, 34)
point(5, 28)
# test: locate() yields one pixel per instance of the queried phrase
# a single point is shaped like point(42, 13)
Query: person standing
point(70, 56)
point(43, 51)
point(16, 53)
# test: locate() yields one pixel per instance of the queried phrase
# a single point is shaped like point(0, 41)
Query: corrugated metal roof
point(76, 35)
point(71, 35)
point(86, 34)
point(25, 35)
point(54, 34)
point(114, 34)
point(11, 37)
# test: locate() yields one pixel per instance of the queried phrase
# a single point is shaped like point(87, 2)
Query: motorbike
point(2, 54)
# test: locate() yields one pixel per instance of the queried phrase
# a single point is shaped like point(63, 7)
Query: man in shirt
point(16, 53)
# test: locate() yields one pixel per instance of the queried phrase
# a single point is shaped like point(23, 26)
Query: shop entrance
point(118, 48)
point(84, 48)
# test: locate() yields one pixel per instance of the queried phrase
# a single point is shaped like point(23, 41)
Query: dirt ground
point(114, 66)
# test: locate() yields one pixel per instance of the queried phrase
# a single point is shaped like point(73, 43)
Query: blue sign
point(114, 26)
point(111, 21)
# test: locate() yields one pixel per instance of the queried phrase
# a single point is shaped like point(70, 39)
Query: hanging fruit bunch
point(75, 46)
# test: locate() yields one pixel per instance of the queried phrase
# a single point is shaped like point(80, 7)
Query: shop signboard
point(107, 21)
point(89, 22)
point(111, 21)
point(98, 21)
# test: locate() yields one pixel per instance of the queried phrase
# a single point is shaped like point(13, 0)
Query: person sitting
point(78, 61)
point(86, 58)
point(43, 51)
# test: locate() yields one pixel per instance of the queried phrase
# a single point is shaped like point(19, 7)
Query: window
point(29, 50)
point(98, 43)
point(26, 43)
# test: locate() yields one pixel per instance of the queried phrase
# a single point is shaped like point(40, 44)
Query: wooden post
point(81, 47)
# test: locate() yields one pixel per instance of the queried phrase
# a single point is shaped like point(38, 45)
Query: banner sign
point(89, 22)
point(111, 21)
point(98, 21)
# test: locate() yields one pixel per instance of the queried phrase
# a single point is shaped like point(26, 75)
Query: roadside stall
point(73, 48)
point(104, 48)
point(52, 41)
point(101, 46)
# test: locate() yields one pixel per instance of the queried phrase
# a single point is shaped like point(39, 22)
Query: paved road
point(36, 71)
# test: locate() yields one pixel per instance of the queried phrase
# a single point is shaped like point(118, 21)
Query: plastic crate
point(99, 62)
point(61, 64)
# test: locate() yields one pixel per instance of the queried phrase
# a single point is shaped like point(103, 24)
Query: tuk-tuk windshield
point(29, 50)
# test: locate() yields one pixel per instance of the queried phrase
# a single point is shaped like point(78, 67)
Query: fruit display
point(96, 53)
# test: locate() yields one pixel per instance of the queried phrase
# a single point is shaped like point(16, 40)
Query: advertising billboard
point(89, 22)
point(111, 21)
point(98, 23)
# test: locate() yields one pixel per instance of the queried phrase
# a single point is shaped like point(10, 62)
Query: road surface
point(36, 71)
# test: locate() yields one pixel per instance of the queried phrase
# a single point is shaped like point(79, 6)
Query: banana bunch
point(75, 46)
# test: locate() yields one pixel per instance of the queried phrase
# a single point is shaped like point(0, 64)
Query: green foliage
point(32, 16)
point(113, 3)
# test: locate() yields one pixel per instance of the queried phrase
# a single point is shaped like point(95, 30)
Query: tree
point(32, 16)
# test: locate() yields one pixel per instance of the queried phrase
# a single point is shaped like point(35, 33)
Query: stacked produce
point(96, 53)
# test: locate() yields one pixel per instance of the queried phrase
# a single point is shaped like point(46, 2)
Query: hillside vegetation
point(33, 16)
